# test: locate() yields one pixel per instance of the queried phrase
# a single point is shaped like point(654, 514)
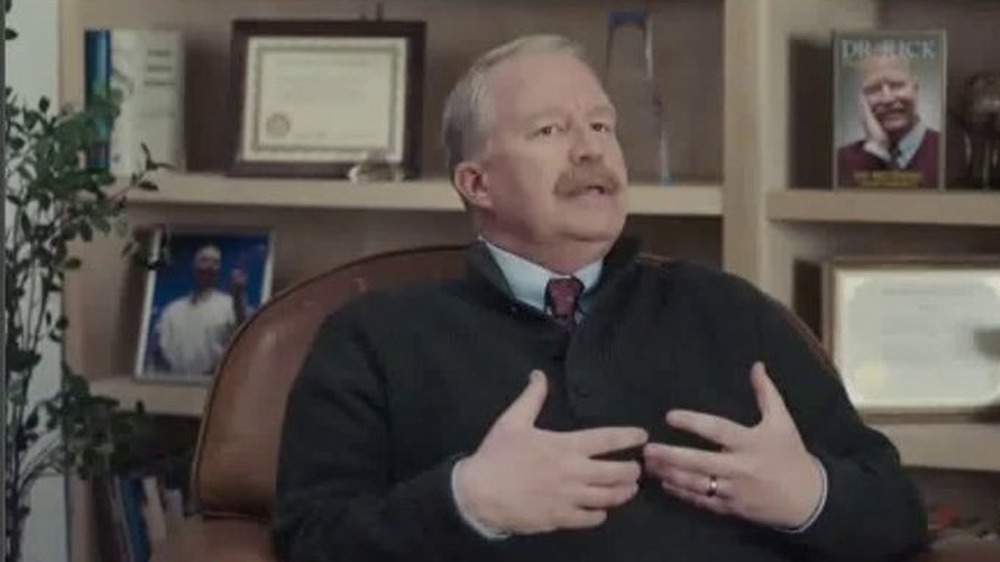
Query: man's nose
point(884, 92)
point(587, 144)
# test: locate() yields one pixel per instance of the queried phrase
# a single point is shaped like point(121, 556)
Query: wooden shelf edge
point(158, 398)
point(955, 446)
point(954, 208)
point(312, 194)
point(683, 199)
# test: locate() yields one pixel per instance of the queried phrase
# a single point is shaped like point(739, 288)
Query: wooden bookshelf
point(954, 446)
point(685, 199)
point(175, 399)
point(956, 208)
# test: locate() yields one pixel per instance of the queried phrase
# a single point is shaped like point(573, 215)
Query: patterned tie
point(894, 157)
point(561, 295)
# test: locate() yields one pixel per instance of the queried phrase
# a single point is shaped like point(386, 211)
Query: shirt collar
point(910, 142)
point(527, 280)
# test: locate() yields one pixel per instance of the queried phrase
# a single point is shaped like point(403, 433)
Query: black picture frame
point(413, 36)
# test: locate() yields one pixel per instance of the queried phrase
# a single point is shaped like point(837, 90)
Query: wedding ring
point(713, 486)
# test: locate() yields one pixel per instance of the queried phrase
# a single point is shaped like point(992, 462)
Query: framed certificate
point(315, 98)
point(915, 334)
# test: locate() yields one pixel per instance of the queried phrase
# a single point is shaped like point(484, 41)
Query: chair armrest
point(961, 550)
point(215, 540)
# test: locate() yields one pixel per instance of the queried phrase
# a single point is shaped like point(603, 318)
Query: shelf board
point(179, 399)
point(956, 446)
point(415, 195)
point(917, 208)
point(682, 199)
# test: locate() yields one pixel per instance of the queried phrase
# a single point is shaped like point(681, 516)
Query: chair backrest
point(236, 458)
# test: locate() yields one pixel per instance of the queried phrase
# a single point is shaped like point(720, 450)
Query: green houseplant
point(55, 200)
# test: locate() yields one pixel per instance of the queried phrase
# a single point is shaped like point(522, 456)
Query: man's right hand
point(526, 480)
point(874, 133)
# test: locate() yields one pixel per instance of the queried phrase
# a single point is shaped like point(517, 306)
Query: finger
point(524, 410)
point(714, 504)
point(601, 440)
point(610, 473)
point(603, 497)
point(661, 457)
point(727, 433)
point(768, 398)
point(694, 482)
point(583, 518)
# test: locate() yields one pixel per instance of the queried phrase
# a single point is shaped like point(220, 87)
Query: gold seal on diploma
point(278, 125)
point(316, 99)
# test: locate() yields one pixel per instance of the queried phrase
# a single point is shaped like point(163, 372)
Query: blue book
point(97, 82)
point(132, 498)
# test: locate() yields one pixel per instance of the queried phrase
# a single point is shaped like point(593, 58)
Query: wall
point(32, 71)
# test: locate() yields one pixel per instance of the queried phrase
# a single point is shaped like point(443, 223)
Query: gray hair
point(465, 118)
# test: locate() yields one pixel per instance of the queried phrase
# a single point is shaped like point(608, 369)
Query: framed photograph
point(915, 334)
point(203, 286)
point(889, 112)
point(315, 98)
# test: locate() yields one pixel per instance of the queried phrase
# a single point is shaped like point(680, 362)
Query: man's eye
point(601, 127)
point(545, 131)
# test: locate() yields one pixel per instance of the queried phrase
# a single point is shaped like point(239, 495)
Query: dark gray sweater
point(399, 385)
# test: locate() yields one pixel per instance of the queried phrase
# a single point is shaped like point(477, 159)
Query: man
point(193, 330)
point(898, 150)
point(671, 412)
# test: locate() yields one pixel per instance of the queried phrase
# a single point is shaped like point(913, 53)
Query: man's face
point(891, 92)
point(207, 263)
point(552, 165)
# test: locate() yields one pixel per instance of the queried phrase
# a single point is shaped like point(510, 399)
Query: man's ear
point(469, 179)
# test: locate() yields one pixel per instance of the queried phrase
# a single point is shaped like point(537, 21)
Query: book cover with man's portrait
point(889, 109)
point(202, 286)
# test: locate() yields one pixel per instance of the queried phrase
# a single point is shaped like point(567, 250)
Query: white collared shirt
point(527, 280)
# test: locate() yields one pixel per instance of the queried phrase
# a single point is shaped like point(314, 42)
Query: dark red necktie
point(561, 295)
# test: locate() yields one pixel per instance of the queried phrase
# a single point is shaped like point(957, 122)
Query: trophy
point(979, 116)
point(630, 82)
point(375, 168)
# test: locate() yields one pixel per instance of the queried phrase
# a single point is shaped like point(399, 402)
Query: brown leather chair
point(234, 469)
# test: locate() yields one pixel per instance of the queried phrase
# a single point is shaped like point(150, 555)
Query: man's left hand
point(762, 473)
point(237, 281)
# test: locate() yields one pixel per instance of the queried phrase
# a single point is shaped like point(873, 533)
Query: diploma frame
point(845, 274)
point(397, 47)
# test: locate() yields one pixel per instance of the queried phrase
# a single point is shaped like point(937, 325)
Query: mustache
point(576, 179)
point(893, 107)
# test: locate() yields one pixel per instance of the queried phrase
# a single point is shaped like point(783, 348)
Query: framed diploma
point(915, 334)
point(316, 98)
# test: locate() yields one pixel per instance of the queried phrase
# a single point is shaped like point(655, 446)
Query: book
point(146, 67)
point(889, 109)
